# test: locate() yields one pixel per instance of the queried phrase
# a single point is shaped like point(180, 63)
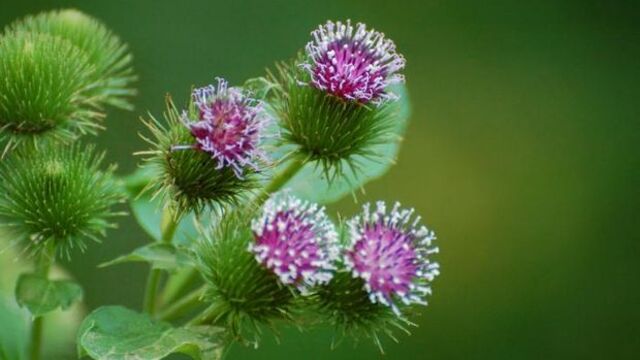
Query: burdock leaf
point(115, 333)
point(311, 183)
point(41, 295)
point(160, 256)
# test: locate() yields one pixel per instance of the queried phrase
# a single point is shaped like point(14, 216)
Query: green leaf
point(41, 295)
point(311, 184)
point(115, 333)
point(148, 211)
point(13, 331)
point(159, 255)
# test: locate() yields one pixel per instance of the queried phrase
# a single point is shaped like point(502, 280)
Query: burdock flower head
point(391, 252)
point(210, 153)
point(228, 126)
point(353, 63)
point(295, 240)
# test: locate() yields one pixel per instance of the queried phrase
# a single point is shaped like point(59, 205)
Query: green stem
point(281, 179)
point(42, 267)
point(182, 306)
point(177, 284)
point(168, 226)
point(207, 316)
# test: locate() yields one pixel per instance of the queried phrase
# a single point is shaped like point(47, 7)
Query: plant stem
point(208, 315)
point(177, 284)
point(281, 179)
point(42, 267)
point(182, 306)
point(168, 226)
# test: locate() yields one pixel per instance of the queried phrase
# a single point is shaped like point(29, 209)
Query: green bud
point(328, 129)
point(190, 178)
point(55, 193)
point(245, 293)
point(346, 304)
point(43, 85)
point(109, 57)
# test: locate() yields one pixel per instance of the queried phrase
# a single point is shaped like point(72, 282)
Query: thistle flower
point(43, 89)
point(244, 293)
point(112, 73)
point(57, 194)
point(353, 63)
point(296, 240)
point(391, 253)
point(228, 126)
point(193, 178)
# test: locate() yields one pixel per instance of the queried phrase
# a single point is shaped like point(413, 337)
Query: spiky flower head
point(353, 63)
point(228, 126)
point(109, 56)
point(192, 179)
point(391, 252)
point(295, 240)
point(245, 293)
point(43, 89)
point(57, 194)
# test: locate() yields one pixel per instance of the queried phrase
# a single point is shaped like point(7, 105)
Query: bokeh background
point(522, 154)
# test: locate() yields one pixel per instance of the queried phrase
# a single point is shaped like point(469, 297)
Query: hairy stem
point(42, 267)
point(168, 227)
point(183, 306)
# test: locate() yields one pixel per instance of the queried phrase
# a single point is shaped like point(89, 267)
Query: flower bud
point(209, 154)
point(110, 58)
point(334, 103)
point(57, 194)
point(246, 293)
point(43, 89)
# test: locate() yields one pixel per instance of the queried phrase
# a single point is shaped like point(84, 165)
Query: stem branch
point(182, 306)
point(42, 267)
point(168, 226)
point(281, 179)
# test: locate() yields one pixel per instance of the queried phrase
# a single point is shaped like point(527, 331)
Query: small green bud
point(54, 193)
point(326, 128)
point(43, 85)
point(245, 293)
point(188, 176)
point(108, 55)
point(346, 304)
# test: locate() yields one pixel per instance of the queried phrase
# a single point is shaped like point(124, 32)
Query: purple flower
point(295, 240)
point(390, 252)
point(353, 63)
point(229, 126)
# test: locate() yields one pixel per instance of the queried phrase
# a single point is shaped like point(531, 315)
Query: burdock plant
point(232, 191)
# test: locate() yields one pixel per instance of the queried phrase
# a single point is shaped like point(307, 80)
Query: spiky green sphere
point(109, 56)
point(327, 128)
point(190, 178)
point(345, 303)
point(43, 85)
point(57, 194)
point(245, 293)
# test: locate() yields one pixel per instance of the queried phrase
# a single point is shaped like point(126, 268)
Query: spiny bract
point(44, 82)
point(246, 293)
point(54, 193)
point(109, 56)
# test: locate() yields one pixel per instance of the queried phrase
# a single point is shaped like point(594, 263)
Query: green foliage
point(55, 193)
point(44, 83)
point(327, 129)
point(41, 295)
point(111, 61)
point(244, 293)
point(114, 333)
point(12, 332)
point(159, 255)
point(346, 304)
point(188, 177)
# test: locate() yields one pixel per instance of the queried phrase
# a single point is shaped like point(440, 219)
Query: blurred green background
point(522, 154)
